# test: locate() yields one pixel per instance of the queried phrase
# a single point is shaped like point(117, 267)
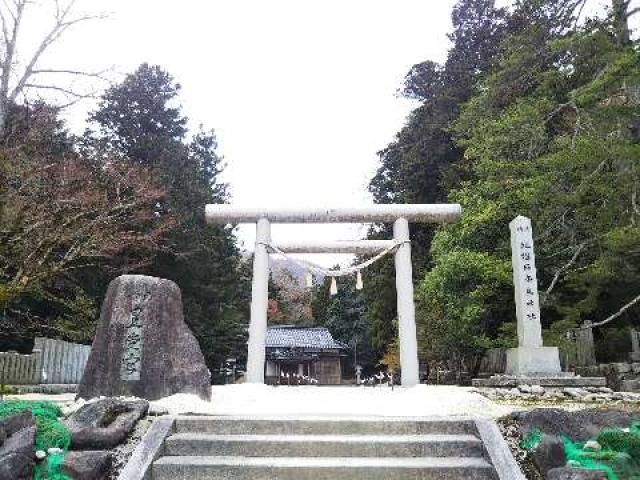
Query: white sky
point(302, 94)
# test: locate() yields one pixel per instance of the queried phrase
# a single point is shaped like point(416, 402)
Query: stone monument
point(585, 350)
point(142, 345)
point(634, 356)
point(531, 362)
point(531, 357)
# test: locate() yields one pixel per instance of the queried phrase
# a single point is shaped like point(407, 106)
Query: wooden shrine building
point(302, 355)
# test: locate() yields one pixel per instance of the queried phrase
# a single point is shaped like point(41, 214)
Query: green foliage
point(457, 310)
point(556, 335)
point(534, 114)
point(344, 314)
point(550, 135)
point(613, 344)
point(7, 390)
point(423, 162)
point(78, 319)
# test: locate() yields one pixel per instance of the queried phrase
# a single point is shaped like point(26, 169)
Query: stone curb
point(498, 451)
point(148, 450)
point(46, 388)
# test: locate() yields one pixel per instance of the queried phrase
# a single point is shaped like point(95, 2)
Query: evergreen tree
point(550, 136)
point(344, 315)
point(424, 161)
point(141, 120)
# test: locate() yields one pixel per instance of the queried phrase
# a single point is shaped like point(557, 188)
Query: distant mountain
point(279, 264)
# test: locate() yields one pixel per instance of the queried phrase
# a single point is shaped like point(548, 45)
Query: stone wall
point(621, 376)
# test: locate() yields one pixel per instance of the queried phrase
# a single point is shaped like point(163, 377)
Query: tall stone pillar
point(259, 303)
point(635, 346)
point(406, 308)
point(531, 357)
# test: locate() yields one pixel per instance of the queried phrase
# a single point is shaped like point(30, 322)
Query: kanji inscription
point(132, 353)
point(525, 283)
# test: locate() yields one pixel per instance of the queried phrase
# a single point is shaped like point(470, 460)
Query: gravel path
point(422, 400)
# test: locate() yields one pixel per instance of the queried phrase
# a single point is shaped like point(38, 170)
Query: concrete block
point(240, 468)
point(630, 386)
point(148, 450)
point(433, 445)
point(229, 425)
point(620, 367)
point(528, 360)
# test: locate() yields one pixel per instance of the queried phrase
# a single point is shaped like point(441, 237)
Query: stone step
point(322, 468)
point(229, 425)
point(433, 445)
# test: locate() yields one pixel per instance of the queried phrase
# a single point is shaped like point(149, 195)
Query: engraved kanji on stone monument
point(132, 354)
point(525, 283)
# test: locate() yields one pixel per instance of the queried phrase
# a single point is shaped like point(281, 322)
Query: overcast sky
point(302, 94)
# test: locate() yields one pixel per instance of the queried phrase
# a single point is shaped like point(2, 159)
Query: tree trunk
point(621, 21)
point(3, 117)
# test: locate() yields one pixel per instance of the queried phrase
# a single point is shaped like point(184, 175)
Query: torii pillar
point(399, 215)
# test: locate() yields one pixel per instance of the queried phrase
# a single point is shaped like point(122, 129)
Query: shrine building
point(302, 355)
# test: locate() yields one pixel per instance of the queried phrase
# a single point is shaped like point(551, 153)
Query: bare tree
point(62, 215)
point(18, 76)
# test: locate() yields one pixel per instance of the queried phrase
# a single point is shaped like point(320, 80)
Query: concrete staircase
point(246, 448)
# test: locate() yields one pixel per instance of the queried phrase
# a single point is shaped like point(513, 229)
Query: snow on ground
point(57, 398)
point(421, 400)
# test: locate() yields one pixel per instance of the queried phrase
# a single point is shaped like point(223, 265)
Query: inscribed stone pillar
point(531, 357)
point(585, 355)
point(635, 345)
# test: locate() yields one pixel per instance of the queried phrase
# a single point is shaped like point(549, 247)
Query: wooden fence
point(62, 362)
point(16, 369)
point(494, 361)
point(52, 362)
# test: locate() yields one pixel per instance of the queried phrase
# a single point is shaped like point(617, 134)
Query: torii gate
point(399, 215)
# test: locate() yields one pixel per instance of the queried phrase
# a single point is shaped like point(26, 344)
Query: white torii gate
point(399, 215)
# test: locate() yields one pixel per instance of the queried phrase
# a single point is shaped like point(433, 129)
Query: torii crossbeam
point(399, 215)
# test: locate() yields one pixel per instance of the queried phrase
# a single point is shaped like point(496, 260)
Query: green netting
point(51, 433)
point(603, 459)
point(531, 441)
point(52, 468)
point(618, 455)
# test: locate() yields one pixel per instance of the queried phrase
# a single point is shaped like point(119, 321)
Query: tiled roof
point(300, 337)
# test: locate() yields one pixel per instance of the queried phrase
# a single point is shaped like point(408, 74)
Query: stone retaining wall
point(621, 376)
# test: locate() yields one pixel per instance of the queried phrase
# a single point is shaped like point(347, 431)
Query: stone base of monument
point(537, 360)
point(537, 366)
point(560, 380)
